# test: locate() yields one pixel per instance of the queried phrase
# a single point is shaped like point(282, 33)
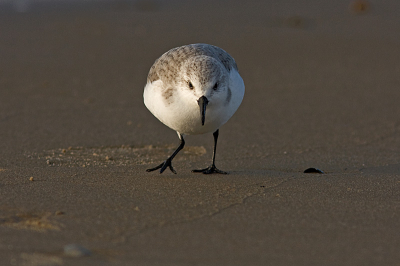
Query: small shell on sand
point(74, 250)
point(359, 6)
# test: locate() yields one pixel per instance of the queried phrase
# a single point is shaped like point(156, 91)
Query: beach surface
point(322, 91)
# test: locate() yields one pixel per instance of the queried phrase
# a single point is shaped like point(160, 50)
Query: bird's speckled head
point(205, 76)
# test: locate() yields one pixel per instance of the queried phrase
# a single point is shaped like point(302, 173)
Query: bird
point(193, 89)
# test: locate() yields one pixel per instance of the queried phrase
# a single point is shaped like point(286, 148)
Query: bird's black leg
point(212, 169)
point(167, 163)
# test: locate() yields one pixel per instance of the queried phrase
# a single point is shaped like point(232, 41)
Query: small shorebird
point(193, 89)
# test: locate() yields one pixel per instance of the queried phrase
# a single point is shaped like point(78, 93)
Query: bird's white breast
point(183, 115)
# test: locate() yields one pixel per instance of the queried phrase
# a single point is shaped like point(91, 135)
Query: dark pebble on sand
point(313, 171)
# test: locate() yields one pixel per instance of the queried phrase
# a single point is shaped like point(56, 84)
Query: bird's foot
point(210, 170)
point(163, 166)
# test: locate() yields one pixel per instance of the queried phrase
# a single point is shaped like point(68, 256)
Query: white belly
point(184, 116)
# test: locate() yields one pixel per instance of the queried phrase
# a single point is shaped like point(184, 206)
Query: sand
point(322, 90)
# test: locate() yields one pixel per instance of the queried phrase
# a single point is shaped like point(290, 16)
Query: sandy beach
point(322, 91)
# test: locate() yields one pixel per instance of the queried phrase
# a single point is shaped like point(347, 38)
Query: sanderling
point(193, 89)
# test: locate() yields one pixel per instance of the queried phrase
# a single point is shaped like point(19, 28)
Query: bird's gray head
point(205, 80)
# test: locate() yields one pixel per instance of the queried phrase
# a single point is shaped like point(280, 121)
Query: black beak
point(203, 101)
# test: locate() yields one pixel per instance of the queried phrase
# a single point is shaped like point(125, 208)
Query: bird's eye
point(215, 86)
point(190, 85)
